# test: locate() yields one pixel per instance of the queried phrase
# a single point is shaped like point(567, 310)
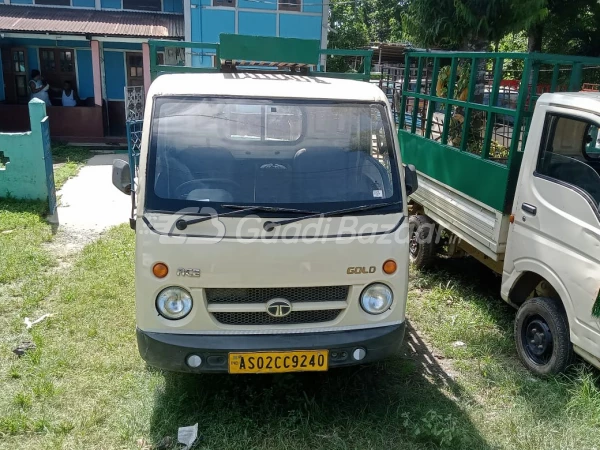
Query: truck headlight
point(174, 303)
point(376, 298)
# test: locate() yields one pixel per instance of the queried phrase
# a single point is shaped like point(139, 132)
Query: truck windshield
point(314, 155)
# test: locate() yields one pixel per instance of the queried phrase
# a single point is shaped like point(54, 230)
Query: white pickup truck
point(268, 206)
point(517, 188)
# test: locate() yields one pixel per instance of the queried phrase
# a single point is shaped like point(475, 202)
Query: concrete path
point(89, 202)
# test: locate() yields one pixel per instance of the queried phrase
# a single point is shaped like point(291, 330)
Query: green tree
point(347, 29)
point(569, 27)
point(513, 42)
point(468, 24)
point(573, 30)
point(384, 19)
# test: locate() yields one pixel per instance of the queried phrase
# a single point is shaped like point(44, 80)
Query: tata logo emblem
point(279, 307)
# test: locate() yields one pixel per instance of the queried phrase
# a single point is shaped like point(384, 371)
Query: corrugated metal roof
point(36, 19)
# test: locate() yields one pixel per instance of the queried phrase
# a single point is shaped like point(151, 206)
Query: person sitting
point(38, 88)
point(69, 97)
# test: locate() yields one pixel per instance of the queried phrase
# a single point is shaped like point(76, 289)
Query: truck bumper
point(169, 351)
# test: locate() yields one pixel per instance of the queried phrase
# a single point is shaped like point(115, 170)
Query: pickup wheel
point(542, 336)
point(422, 246)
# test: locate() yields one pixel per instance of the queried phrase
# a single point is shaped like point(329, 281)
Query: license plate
point(274, 362)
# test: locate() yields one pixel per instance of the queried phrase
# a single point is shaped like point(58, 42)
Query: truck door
point(556, 229)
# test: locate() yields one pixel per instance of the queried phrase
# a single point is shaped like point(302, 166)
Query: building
point(304, 19)
point(100, 46)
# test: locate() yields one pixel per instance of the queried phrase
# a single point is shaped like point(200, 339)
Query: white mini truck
point(269, 207)
point(517, 188)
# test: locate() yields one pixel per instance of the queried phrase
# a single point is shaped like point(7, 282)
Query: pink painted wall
point(96, 72)
point(146, 62)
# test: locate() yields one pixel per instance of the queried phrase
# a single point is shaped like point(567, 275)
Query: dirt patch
point(68, 242)
point(430, 361)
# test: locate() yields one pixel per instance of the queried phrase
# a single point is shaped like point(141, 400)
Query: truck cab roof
point(588, 101)
point(276, 85)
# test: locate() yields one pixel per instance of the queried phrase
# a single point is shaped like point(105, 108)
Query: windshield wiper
point(182, 224)
point(271, 209)
point(270, 225)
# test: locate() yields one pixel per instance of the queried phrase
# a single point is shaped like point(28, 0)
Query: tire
point(542, 336)
point(422, 248)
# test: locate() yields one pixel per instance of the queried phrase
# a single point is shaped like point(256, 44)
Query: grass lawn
point(85, 387)
point(68, 160)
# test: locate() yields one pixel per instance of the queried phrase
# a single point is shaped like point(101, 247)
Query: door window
point(19, 61)
point(20, 73)
point(570, 155)
point(135, 69)
point(57, 66)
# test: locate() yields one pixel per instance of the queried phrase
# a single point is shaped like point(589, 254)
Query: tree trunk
point(534, 38)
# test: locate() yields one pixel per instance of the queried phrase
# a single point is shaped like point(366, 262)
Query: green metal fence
point(256, 53)
point(466, 121)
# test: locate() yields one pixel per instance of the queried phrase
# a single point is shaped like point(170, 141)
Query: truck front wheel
point(422, 245)
point(542, 336)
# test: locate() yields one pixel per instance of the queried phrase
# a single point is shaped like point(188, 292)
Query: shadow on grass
point(25, 211)
point(545, 398)
point(470, 273)
point(406, 402)
point(34, 207)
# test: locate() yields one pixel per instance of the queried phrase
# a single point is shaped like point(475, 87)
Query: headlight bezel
point(188, 303)
point(372, 286)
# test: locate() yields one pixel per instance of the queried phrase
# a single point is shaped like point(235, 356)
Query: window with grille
point(142, 5)
point(230, 3)
point(53, 2)
point(290, 5)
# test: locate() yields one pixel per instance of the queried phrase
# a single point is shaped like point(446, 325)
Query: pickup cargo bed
point(483, 227)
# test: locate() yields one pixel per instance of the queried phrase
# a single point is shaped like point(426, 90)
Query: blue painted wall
point(257, 24)
point(32, 58)
point(21, 2)
point(300, 26)
point(271, 4)
point(312, 6)
point(110, 4)
point(85, 74)
point(208, 23)
point(84, 3)
point(175, 6)
point(114, 68)
point(197, 60)
point(214, 22)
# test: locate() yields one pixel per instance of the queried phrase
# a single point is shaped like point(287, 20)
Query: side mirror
point(410, 179)
point(121, 176)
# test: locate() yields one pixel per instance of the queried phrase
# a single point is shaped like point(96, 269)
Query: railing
point(134, 146)
point(257, 53)
point(449, 101)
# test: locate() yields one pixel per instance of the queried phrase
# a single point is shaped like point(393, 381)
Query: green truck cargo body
point(464, 121)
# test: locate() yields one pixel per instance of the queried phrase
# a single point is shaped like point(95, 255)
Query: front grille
point(262, 318)
point(263, 295)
